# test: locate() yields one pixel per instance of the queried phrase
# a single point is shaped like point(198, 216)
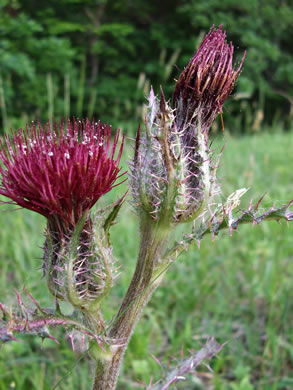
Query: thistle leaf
point(223, 218)
point(210, 349)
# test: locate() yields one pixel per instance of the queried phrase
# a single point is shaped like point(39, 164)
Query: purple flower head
point(59, 171)
point(206, 81)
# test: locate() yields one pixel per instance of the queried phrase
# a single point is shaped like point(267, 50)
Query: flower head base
point(173, 175)
point(59, 172)
point(79, 265)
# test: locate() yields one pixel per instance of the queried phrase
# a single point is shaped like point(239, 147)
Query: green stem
point(141, 288)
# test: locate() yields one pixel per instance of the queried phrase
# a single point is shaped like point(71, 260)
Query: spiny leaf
point(28, 321)
point(223, 219)
point(210, 349)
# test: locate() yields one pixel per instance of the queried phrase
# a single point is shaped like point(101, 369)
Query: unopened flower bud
point(172, 173)
point(205, 83)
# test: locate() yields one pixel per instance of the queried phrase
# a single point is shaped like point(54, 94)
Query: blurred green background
point(99, 58)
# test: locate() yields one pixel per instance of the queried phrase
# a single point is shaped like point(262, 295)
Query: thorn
point(53, 338)
point(198, 244)
point(150, 384)
point(18, 298)
point(259, 201)
point(3, 309)
point(33, 299)
point(224, 211)
point(156, 360)
point(71, 337)
point(100, 343)
point(209, 367)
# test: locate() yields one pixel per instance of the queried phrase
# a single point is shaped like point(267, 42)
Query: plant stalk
point(141, 288)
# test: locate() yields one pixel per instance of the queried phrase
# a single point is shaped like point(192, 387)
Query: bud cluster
point(167, 176)
point(173, 172)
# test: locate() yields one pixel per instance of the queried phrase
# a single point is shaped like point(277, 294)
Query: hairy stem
point(141, 288)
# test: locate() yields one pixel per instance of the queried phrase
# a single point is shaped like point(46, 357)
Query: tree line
point(98, 58)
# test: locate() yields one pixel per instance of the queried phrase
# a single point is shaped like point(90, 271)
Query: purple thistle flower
point(59, 172)
point(206, 81)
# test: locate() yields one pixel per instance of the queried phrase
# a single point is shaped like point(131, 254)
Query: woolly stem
point(141, 288)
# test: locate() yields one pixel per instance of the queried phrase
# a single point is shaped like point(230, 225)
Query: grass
point(238, 289)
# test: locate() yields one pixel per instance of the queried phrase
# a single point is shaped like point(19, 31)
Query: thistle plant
point(61, 172)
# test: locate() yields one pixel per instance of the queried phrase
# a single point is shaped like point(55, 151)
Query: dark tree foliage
point(99, 57)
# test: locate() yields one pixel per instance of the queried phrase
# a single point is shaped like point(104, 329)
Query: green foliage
point(111, 51)
point(238, 289)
